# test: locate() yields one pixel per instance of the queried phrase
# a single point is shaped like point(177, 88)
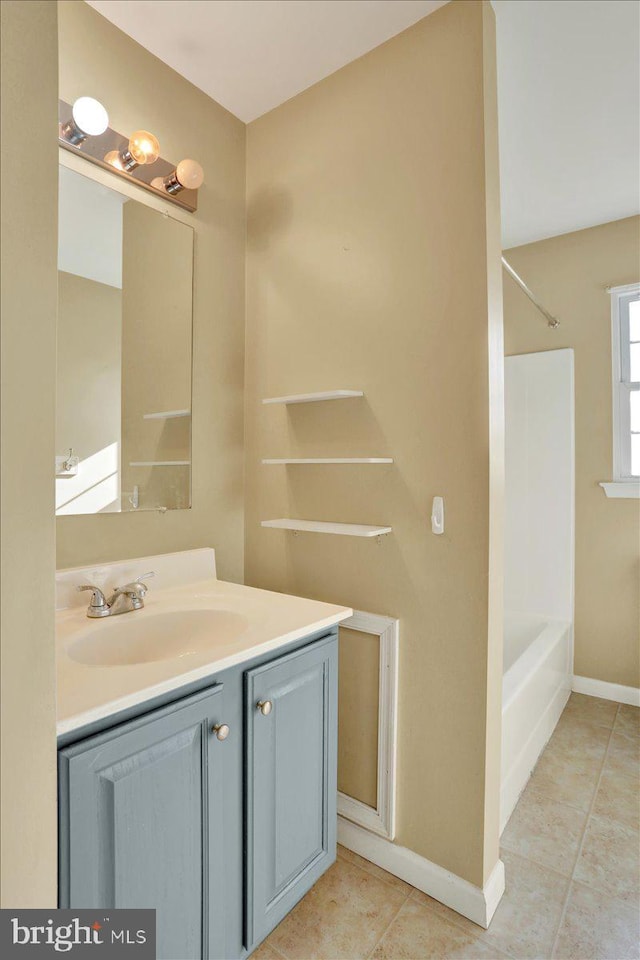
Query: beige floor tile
point(591, 708)
point(374, 870)
point(266, 952)
point(628, 720)
point(358, 910)
point(527, 918)
point(547, 832)
point(567, 778)
point(456, 918)
point(342, 916)
point(623, 755)
point(610, 859)
point(618, 798)
point(597, 927)
point(418, 933)
point(582, 737)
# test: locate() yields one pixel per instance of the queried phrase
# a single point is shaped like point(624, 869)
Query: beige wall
point(28, 343)
point(157, 281)
point(569, 274)
point(141, 91)
point(358, 680)
point(373, 263)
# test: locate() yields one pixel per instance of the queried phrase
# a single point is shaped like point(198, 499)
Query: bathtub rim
point(516, 677)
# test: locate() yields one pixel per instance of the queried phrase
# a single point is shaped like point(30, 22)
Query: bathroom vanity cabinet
point(217, 808)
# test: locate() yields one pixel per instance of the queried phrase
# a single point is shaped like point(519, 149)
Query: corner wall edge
point(476, 903)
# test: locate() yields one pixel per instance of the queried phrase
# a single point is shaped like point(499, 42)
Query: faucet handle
point(139, 582)
point(145, 576)
point(136, 588)
point(98, 606)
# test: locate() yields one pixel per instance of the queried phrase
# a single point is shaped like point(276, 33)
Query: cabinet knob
point(265, 707)
point(221, 731)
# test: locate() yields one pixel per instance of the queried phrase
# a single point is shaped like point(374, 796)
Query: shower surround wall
point(539, 487)
point(539, 559)
point(374, 264)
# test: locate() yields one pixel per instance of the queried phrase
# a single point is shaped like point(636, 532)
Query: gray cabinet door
point(291, 781)
point(141, 823)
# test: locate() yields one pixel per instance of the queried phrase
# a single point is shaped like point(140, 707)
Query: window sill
point(622, 489)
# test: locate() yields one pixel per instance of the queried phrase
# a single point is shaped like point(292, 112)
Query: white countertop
point(88, 692)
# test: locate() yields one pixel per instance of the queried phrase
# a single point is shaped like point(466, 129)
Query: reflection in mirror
point(123, 418)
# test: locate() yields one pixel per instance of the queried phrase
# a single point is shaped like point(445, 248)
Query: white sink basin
point(170, 635)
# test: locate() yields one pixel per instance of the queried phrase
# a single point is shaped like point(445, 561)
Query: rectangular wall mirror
point(125, 290)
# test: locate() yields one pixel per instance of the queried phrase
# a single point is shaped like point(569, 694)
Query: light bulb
point(88, 119)
point(90, 116)
point(190, 174)
point(143, 147)
point(114, 159)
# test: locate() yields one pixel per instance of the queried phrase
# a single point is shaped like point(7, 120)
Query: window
point(625, 328)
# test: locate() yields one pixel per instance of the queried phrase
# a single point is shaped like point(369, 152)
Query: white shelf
point(622, 489)
point(331, 460)
point(315, 397)
point(159, 463)
point(317, 526)
point(167, 415)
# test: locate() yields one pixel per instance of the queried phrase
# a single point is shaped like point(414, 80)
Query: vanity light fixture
point(113, 159)
point(88, 119)
point(84, 129)
point(188, 175)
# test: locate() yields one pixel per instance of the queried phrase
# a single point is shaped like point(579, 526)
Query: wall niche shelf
point(316, 397)
point(326, 460)
point(318, 526)
point(160, 463)
point(167, 415)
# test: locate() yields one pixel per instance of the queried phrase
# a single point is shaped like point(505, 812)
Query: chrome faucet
point(122, 600)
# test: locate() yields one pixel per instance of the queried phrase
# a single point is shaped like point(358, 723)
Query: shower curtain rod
point(552, 321)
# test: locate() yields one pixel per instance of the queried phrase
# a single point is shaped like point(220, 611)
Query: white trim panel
point(382, 820)
point(476, 903)
point(607, 691)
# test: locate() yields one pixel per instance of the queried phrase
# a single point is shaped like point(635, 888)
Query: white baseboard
point(607, 691)
point(517, 776)
point(473, 902)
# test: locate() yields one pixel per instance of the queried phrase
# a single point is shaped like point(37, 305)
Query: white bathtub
point(538, 658)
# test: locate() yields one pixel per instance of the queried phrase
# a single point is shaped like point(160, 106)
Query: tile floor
point(572, 857)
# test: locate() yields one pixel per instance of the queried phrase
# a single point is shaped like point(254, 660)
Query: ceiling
point(569, 112)
point(568, 84)
point(252, 55)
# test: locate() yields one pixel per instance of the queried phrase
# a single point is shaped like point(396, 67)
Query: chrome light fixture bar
point(134, 158)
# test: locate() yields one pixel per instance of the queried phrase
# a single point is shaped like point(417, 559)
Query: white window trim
point(621, 487)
